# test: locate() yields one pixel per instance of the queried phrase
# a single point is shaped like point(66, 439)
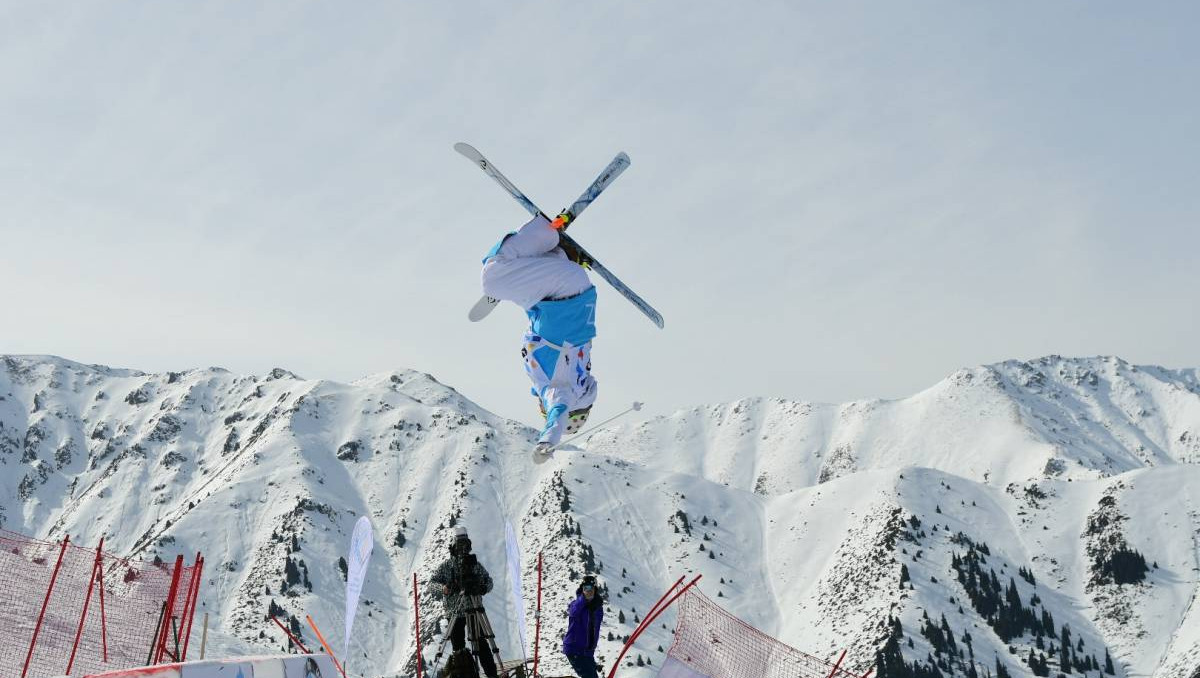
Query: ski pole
point(636, 407)
point(325, 645)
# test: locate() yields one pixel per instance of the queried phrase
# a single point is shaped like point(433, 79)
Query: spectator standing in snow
point(584, 616)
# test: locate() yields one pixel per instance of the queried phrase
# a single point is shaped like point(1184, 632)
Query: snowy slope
point(799, 515)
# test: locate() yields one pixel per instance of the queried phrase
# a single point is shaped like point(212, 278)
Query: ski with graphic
point(485, 304)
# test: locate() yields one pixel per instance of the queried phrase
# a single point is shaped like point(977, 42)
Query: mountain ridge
point(802, 516)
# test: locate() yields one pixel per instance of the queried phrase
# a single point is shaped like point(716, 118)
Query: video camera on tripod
point(466, 578)
point(464, 582)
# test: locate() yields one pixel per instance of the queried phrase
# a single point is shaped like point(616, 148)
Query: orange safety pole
point(325, 645)
point(87, 601)
point(45, 603)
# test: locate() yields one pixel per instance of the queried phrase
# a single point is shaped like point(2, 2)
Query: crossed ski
point(485, 305)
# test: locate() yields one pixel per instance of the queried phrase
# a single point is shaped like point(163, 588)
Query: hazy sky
point(828, 201)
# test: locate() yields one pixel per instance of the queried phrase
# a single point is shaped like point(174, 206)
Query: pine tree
point(1108, 664)
point(1064, 657)
point(949, 635)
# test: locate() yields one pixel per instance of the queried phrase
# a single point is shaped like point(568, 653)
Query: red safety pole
point(655, 613)
point(838, 664)
point(187, 606)
point(103, 617)
point(87, 601)
point(194, 597)
point(650, 613)
point(289, 635)
point(170, 608)
point(417, 622)
point(537, 619)
point(646, 622)
point(45, 603)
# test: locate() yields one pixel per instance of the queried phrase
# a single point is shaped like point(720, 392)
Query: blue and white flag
point(361, 544)
point(514, 577)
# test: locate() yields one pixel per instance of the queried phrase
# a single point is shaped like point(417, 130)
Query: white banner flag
point(361, 544)
point(514, 577)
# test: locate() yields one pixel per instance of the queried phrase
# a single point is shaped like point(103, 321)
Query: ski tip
point(482, 308)
point(468, 151)
point(623, 157)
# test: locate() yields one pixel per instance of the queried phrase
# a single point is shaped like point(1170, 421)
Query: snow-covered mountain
point(974, 526)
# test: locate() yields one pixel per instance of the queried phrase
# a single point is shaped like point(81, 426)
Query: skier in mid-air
point(530, 268)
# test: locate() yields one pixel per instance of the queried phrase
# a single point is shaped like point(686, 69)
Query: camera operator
point(456, 580)
point(584, 616)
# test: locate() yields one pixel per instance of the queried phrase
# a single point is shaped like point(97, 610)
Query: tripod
point(478, 634)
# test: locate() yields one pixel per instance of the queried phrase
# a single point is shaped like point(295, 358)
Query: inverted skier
point(530, 268)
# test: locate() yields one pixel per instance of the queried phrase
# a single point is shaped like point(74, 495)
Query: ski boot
point(576, 420)
point(574, 253)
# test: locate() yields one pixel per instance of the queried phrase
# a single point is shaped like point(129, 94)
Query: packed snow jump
point(544, 271)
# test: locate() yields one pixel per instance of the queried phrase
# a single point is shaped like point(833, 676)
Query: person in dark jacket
point(584, 616)
point(448, 585)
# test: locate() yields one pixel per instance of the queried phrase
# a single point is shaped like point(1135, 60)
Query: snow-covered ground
point(799, 515)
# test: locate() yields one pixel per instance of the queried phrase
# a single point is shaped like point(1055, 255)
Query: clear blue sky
point(828, 201)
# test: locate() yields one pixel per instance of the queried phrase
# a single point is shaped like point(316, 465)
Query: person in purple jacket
point(584, 616)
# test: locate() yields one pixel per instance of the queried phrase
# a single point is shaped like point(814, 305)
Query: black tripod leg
point(437, 658)
point(490, 635)
point(482, 637)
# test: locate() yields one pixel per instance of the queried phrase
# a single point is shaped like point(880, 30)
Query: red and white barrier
point(289, 666)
